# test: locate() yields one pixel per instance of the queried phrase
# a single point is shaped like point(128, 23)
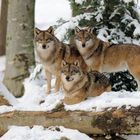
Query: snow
point(7, 95)
point(132, 137)
point(108, 100)
point(40, 133)
point(98, 14)
point(80, 1)
point(49, 11)
point(127, 1)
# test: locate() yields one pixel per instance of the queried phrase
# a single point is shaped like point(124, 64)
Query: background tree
point(3, 24)
point(19, 39)
point(112, 20)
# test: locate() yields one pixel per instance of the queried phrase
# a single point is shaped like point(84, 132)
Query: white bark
point(19, 40)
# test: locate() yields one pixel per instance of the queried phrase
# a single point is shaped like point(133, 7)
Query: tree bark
point(3, 25)
point(19, 39)
point(3, 101)
point(109, 122)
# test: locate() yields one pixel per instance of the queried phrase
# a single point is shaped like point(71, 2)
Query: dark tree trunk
point(3, 25)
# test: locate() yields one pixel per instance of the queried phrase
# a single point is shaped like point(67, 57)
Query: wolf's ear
point(76, 63)
point(36, 31)
point(77, 30)
point(64, 63)
point(51, 30)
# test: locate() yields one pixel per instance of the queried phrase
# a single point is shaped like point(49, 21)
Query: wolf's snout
point(83, 45)
point(67, 78)
point(44, 46)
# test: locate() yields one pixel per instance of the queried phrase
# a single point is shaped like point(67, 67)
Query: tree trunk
point(19, 40)
point(3, 101)
point(109, 122)
point(3, 25)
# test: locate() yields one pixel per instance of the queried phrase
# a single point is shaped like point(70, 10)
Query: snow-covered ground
point(35, 98)
point(40, 133)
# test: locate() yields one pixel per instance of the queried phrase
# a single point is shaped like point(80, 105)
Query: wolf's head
point(71, 73)
point(44, 38)
point(84, 38)
point(45, 42)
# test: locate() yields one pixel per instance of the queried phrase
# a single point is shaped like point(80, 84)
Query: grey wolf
point(106, 57)
point(51, 52)
point(78, 84)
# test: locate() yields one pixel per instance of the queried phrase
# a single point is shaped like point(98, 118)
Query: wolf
point(78, 84)
point(106, 57)
point(51, 52)
point(72, 55)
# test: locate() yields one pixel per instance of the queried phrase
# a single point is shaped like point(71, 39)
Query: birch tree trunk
point(19, 41)
point(3, 25)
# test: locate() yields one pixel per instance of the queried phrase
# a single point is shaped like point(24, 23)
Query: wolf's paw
point(46, 89)
point(56, 90)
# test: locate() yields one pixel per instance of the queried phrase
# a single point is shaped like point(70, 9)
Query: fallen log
point(122, 121)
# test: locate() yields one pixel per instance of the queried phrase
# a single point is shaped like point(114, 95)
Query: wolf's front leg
point(48, 77)
point(57, 83)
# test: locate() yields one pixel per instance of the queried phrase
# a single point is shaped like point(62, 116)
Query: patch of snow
point(49, 11)
point(99, 14)
point(103, 35)
point(131, 137)
point(80, 1)
point(127, 1)
point(7, 95)
point(40, 133)
point(4, 109)
point(35, 97)
point(107, 100)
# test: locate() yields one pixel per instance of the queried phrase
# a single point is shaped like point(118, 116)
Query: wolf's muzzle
point(44, 46)
point(83, 45)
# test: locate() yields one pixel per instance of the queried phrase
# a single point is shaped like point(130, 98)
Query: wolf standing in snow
point(105, 57)
point(51, 52)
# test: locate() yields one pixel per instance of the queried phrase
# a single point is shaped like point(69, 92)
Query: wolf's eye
point(62, 71)
point(75, 71)
point(87, 38)
point(48, 40)
point(40, 40)
point(78, 38)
